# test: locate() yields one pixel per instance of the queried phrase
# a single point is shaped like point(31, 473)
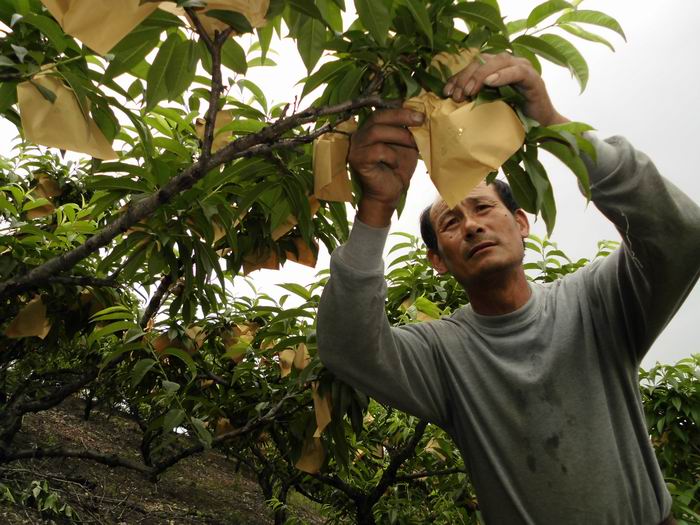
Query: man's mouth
point(480, 246)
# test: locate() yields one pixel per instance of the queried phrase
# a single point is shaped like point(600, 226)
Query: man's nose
point(471, 226)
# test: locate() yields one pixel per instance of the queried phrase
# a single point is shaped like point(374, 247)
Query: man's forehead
point(439, 206)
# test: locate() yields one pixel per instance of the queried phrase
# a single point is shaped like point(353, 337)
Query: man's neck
point(499, 294)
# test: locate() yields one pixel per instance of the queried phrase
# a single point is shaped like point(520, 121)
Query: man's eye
point(449, 223)
point(483, 207)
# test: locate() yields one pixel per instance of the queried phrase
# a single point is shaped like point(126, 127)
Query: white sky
point(644, 91)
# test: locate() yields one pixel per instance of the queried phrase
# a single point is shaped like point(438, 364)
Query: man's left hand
point(500, 70)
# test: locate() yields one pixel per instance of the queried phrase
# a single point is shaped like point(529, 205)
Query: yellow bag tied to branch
point(323, 406)
point(304, 253)
point(99, 24)
point(61, 123)
point(46, 188)
point(330, 153)
point(30, 321)
point(312, 456)
point(461, 143)
point(261, 259)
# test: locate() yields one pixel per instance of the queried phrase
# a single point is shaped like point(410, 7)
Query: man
point(537, 384)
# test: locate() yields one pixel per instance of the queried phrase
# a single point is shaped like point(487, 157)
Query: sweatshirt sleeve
point(396, 366)
point(642, 285)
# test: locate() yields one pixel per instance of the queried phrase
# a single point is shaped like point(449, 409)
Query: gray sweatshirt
point(543, 402)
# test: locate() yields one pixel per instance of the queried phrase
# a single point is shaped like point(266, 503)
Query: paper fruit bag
point(99, 24)
point(61, 123)
point(331, 180)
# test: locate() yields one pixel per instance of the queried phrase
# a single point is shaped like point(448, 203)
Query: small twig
point(430, 473)
point(156, 301)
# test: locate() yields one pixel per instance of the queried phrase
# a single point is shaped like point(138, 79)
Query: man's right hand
point(383, 156)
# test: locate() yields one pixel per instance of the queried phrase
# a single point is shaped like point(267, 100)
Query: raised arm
point(397, 366)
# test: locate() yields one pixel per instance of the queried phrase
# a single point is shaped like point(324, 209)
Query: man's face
point(479, 237)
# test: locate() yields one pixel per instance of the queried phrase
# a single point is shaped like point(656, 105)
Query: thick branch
point(111, 460)
point(178, 184)
point(334, 481)
point(221, 438)
point(430, 473)
point(84, 280)
point(156, 300)
point(389, 476)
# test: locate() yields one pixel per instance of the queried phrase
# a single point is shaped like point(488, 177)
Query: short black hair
point(427, 231)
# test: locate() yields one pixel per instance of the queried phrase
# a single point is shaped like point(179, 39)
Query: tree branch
point(85, 280)
point(430, 473)
point(111, 460)
point(221, 438)
point(156, 301)
point(186, 179)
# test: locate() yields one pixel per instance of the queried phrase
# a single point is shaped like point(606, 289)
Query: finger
point(381, 154)
point(396, 117)
point(457, 84)
point(518, 74)
point(506, 69)
point(375, 133)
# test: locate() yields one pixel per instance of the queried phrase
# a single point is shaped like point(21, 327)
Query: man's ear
point(523, 222)
point(437, 262)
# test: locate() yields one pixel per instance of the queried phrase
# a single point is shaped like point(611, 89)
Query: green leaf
point(172, 419)
point(516, 26)
point(428, 307)
point(330, 11)
point(132, 49)
point(572, 161)
point(297, 289)
point(265, 37)
point(45, 92)
point(420, 15)
point(140, 370)
point(237, 21)
point(233, 56)
point(577, 64)
point(594, 18)
point(586, 35)
point(49, 28)
point(311, 42)
point(180, 70)
point(99, 333)
point(375, 17)
point(308, 8)
point(545, 10)
point(157, 88)
point(202, 433)
point(326, 72)
point(542, 48)
point(481, 14)
point(545, 196)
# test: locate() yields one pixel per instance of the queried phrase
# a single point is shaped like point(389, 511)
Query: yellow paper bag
point(291, 221)
point(261, 259)
point(100, 24)
point(301, 357)
point(286, 358)
point(312, 456)
point(323, 405)
point(461, 143)
point(304, 253)
point(30, 321)
point(220, 139)
point(330, 153)
point(46, 188)
point(61, 123)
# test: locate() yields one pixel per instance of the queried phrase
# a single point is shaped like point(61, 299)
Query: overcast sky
point(643, 91)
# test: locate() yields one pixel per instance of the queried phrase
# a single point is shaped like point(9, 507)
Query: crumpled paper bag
point(253, 10)
point(46, 188)
point(100, 24)
point(461, 143)
point(61, 123)
point(30, 321)
point(262, 259)
point(304, 253)
point(323, 406)
point(330, 153)
point(313, 455)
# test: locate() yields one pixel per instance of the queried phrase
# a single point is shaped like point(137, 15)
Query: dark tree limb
point(430, 473)
point(156, 301)
point(111, 460)
point(137, 211)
